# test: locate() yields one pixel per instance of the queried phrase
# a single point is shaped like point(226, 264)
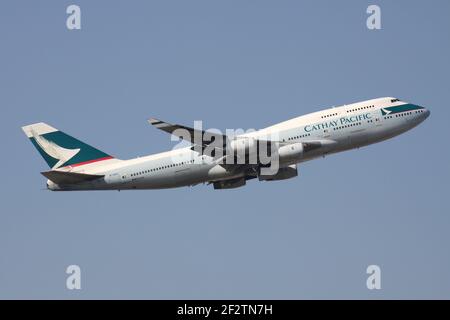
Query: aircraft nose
point(423, 113)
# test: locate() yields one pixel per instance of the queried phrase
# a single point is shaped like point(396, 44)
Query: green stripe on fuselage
point(399, 109)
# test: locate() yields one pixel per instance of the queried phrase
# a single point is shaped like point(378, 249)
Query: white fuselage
point(339, 129)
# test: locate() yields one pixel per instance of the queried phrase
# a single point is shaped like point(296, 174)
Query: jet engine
point(242, 146)
point(282, 174)
point(230, 184)
point(290, 153)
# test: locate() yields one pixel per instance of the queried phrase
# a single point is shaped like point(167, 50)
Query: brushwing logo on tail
point(55, 151)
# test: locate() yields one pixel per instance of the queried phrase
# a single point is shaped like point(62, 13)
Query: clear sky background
point(232, 64)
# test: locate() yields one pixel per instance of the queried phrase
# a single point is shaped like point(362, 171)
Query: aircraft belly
point(184, 177)
point(358, 138)
point(190, 176)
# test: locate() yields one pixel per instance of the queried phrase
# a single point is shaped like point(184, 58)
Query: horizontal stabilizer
point(63, 178)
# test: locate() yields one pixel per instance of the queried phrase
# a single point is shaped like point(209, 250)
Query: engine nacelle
point(229, 184)
point(243, 146)
point(282, 174)
point(290, 153)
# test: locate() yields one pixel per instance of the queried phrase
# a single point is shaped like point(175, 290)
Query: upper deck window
point(329, 115)
point(395, 100)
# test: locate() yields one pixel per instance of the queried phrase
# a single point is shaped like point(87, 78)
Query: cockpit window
point(394, 100)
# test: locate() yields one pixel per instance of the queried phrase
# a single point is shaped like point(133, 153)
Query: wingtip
point(156, 122)
point(153, 120)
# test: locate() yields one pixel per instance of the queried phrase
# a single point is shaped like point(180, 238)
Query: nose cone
point(425, 113)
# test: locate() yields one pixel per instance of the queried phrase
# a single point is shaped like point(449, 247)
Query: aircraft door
point(377, 121)
point(125, 177)
point(117, 178)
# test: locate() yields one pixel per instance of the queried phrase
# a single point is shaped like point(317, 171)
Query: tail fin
point(59, 149)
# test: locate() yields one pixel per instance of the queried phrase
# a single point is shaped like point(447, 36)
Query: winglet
point(155, 122)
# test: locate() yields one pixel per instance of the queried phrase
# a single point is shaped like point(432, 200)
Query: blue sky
point(232, 64)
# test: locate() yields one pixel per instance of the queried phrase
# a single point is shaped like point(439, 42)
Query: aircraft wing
point(61, 177)
point(194, 136)
point(203, 138)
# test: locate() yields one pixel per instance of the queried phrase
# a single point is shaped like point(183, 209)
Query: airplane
point(230, 163)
